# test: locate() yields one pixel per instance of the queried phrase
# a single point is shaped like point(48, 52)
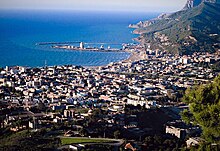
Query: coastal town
point(110, 75)
point(126, 100)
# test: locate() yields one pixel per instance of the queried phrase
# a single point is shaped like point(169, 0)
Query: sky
point(100, 5)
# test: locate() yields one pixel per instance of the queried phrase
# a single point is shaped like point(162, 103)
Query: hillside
point(186, 31)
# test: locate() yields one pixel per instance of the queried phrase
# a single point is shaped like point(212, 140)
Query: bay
point(20, 30)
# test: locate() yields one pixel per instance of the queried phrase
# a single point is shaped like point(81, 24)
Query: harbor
point(83, 46)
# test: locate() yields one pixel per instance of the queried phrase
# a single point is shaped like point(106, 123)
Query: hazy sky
point(115, 5)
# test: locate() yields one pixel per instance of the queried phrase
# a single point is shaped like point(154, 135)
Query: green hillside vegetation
point(66, 141)
point(28, 141)
point(182, 27)
point(204, 109)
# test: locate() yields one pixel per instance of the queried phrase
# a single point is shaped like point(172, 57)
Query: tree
point(204, 109)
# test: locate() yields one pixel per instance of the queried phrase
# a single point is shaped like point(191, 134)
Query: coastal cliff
point(194, 28)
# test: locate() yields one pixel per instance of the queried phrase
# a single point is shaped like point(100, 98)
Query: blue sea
point(20, 30)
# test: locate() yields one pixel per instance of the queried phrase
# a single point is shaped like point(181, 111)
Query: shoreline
point(134, 56)
point(124, 60)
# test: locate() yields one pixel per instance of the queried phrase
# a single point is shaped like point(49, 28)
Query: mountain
point(186, 31)
point(194, 3)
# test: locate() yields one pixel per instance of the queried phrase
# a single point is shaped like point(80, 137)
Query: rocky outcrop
point(144, 24)
point(191, 4)
point(194, 3)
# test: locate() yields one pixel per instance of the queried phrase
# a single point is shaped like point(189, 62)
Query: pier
point(57, 43)
point(75, 42)
point(71, 45)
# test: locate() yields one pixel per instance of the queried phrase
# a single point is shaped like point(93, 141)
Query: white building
point(178, 132)
point(81, 45)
